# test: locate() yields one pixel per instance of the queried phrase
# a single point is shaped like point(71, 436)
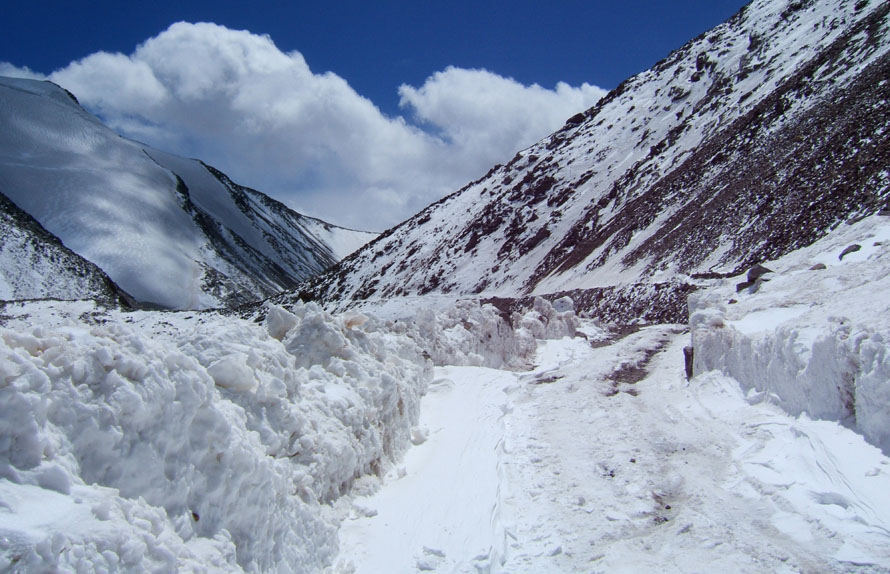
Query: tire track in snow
point(439, 510)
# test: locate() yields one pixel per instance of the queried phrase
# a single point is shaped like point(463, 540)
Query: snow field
point(199, 442)
point(181, 441)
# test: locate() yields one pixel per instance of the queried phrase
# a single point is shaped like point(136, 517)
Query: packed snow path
point(444, 505)
point(604, 458)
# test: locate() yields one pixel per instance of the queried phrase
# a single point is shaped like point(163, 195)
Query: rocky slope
point(171, 231)
point(752, 140)
point(34, 264)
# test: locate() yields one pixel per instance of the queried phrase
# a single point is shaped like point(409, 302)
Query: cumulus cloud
point(233, 99)
point(481, 110)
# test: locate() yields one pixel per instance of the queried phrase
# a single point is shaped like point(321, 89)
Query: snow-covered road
point(443, 510)
point(604, 458)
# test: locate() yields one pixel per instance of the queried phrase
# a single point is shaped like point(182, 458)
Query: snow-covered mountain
point(752, 140)
point(171, 231)
point(34, 264)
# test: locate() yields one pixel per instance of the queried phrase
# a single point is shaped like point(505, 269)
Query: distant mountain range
point(169, 231)
point(752, 140)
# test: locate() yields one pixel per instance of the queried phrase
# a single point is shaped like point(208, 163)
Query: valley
point(655, 340)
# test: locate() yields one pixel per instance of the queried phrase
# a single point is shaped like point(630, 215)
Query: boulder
point(757, 272)
point(849, 249)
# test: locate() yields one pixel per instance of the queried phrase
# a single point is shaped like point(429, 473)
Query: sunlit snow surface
point(202, 442)
point(298, 441)
point(160, 440)
point(814, 335)
point(586, 470)
point(561, 473)
point(153, 440)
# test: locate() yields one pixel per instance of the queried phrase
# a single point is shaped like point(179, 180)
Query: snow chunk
point(233, 373)
point(419, 435)
point(279, 321)
point(55, 478)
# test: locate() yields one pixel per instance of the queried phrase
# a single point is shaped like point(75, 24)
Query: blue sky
point(376, 46)
point(420, 63)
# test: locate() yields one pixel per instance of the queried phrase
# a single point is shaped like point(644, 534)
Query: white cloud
point(482, 110)
point(233, 99)
point(9, 70)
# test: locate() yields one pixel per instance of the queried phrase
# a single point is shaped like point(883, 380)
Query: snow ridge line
point(498, 552)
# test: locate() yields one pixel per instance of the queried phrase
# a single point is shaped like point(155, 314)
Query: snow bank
point(164, 441)
point(472, 334)
point(814, 336)
point(175, 440)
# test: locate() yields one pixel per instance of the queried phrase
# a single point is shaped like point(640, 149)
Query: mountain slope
point(35, 265)
point(752, 140)
point(171, 231)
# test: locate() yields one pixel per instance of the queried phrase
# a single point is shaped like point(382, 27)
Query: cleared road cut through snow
point(605, 459)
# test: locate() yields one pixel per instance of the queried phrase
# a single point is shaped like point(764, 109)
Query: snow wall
point(814, 335)
point(196, 441)
point(474, 334)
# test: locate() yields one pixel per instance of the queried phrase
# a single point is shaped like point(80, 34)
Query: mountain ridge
point(625, 194)
point(173, 232)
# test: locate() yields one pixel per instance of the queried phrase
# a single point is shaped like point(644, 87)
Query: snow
point(471, 334)
point(299, 441)
point(442, 513)
point(431, 433)
point(35, 265)
point(767, 319)
point(165, 440)
point(166, 229)
point(813, 339)
point(561, 474)
point(30, 269)
point(340, 240)
point(435, 433)
point(171, 440)
point(50, 149)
